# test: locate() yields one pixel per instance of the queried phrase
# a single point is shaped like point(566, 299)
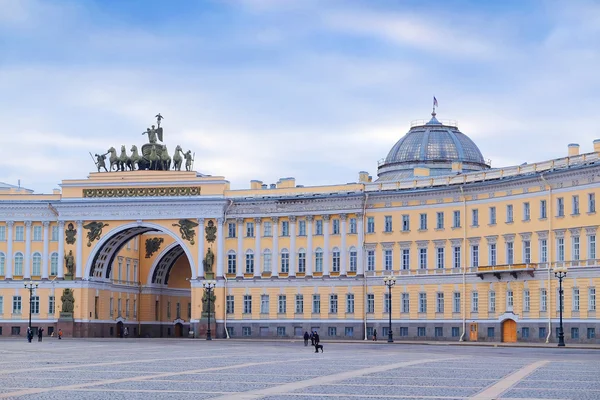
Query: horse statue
point(114, 160)
point(124, 161)
point(135, 158)
point(177, 159)
point(165, 159)
point(153, 158)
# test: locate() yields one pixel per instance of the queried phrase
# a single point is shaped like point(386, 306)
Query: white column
point(45, 254)
point(9, 249)
point(241, 257)
point(344, 249)
point(309, 245)
point(200, 250)
point(257, 249)
point(326, 256)
point(27, 259)
point(79, 256)
point(292, 246)
point(360, 246)
point(61, 250)
point(220, 246)
point(275, 251)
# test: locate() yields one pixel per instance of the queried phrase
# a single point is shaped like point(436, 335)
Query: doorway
point(178, 330)
point(119, 329)
point(473, 332)
point(509, 331)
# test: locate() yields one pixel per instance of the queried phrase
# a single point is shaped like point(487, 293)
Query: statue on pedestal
point(208, 261)
point(68, 301)
point(70, 263)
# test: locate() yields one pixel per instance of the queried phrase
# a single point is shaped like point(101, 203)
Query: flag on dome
point(435, 103)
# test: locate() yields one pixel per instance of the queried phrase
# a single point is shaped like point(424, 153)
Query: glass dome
point(434, 145)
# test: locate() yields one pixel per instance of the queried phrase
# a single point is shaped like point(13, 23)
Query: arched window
point(285, 261)
point(2, 264)
point(37, 264)
point(231, 262)
point(319, 260)
point(54, 264)
point(267, 260)
point(353, 259)
point(301, 261)
point(249, 262)
point(335, 260)
point(18, 264)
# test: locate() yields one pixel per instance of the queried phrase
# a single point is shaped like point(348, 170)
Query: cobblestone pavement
point(195, 369)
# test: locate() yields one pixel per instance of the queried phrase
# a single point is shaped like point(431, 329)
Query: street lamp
point(390, 281)
point(209, 286)
point(31, 287)
point(560, 273)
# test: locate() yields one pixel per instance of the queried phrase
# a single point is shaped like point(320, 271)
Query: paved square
point(195, 369)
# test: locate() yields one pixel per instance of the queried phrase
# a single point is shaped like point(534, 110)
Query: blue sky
point(315, 89)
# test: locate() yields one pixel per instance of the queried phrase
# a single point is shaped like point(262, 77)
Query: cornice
point(297, 207)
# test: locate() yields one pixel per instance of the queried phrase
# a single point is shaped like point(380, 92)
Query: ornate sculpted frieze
point(141, 210)
point(297, 206)
point(142, 192)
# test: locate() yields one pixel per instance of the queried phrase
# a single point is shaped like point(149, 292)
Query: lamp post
point(560, 273)
point(209, 286)
point(390, 281)
point(31, 287)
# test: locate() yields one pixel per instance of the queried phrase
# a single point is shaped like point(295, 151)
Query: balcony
point(512, 269)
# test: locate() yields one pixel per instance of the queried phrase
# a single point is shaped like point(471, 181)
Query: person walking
point(40, 334)
point(126, 332)
point(60, 334)
point(317, 339)
point(29, 335)
point(312, 338)
point(374, 335)
point(306, 337)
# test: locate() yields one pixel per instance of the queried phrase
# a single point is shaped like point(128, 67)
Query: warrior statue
point(69, 263)
point(68, 300)
point(100, 158)
point(208, 261)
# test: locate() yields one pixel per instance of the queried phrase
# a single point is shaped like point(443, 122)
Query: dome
point(434, 145)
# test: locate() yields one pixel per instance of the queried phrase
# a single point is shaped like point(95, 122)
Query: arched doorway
point(509, 331)
point(178, 330)
point(120, 329)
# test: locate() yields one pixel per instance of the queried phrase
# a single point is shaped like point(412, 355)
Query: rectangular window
point(492, 302)
point(316, 304)
point(542, 332)
point(404, 331)
point(371, 225)
point(282, 304)
point(267, 229)
point(353, 260)
point(249, 229)
point(456, 219)
point(285, 228)
point(405, 303)
point(388, 259)
point(510, 253)
point(456, 302)
point(37, 233)
point(491, 332)
point(353, 225)
point(421, 332)
point(281, 331)
point(386, 303)
point(2, 233)
point(231, 263)
point(127, 309)
point(422, 302)
point(19, 233)
point(574, 333)
point(35, 304)
point(405, 259)
point(17, 306)
point(405, 223)
point(319, 261)
point(299, 304)
point(247, 304)
point(302, 228)
point(509, 300)
point(543, 250)
point(246, 331)
point(455, 331)
point(439, 220)
point(302, 262)
point(50, 305)
point(526, 251)
point(592, 299)
point(370, 303)
point(156, 309)
point(249, 263)
point(575, 204)
point(423, 222)
point(525, 332)
point(456, 257)
point(350, 303)
point(543, 209)
point(440, 257)
point(560, 249)
point(591, 202)
point(335, 261)
point(526, 211)
point(475, 256)
point(388, 223)
point(423, 258)
point(231, 228)
point(591, 333)
point(230, 304)
point(333, 304)
point(319, 227)
point(332, 331)
point(526, 301)
point(349, 331)
point(439, 306)
point(267, 261)
point(543, 300)
point(492, 253)
point(575, 298)
point(370, 260)
point(475, 217)
point(264, 304)
point(560, 207)
point(285, 263)
point(509, 214)
point(336, 227)
point(492, 215)
point(592, 247)
point(474, 302)
point(439, 331)
point(575, 250)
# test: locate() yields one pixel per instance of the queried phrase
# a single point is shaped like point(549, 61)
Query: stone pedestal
point(201, 327)
point(68, 277)
point(66, 324)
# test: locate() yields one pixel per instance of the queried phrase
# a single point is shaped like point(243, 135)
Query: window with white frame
point(474, 255)
point(285, 228)
point(423, 258)
point(575, 297)
point(592, 299)
point(560, 207)
point(492, 253)
point(35, 304)
point(249, 262)
point(319, 260)
point(135, 271)
point(19, 233)
point(282, 304)
point(370, 260)
point(422, 302)
point(3, 233)
point(575, 248)
point(111, 305)
point(439, 307)
point(127, 309)
point(267, 229)
point(405, 302)
point(386, 303)
point(335, 260)
point(285, 261)
point(2, 266)
point(456, 257)
point(526, 301)
point(371, 225)
point(492, 301)
point(440, 258)
point(353, 259)
point(475, 217)
point(231, 229)
point(405, 259)
point(388, 258)
point(526, 211)
point(250, 229)
point(405, 223)
point(299, 309)
point(353, 229)
point(316, 304)
point(423, 222)
point(319, 227)
point(509, 213)
point(336, 226)
point(36, 261)
point(575, 204)
point(230, 304)
point(231, 262)
point(302, 261)
point(302, 228)
point(591, 203)
point(350, 303)
point(509, 300)
point(543, 300)
point(267, 260)
point(527, 251)
point(333, 304)
point(264, 304)
point(247, 304)
point(510, 253)
point(127, 270)
point(17, 305)
point(543, 250)
point(370, 303)
point(37, 233)
point(388, 223)
point(560, 249)
point(591, 247)
point(543, 209)
point(474, 302)
point(439, 220)
point(456, 302)
point(120, 308)
point(18, 267)
point(456, 219)
point(492, 215)
point(51, 305)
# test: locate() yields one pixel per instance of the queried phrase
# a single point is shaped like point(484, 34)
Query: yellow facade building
point(472, 248)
